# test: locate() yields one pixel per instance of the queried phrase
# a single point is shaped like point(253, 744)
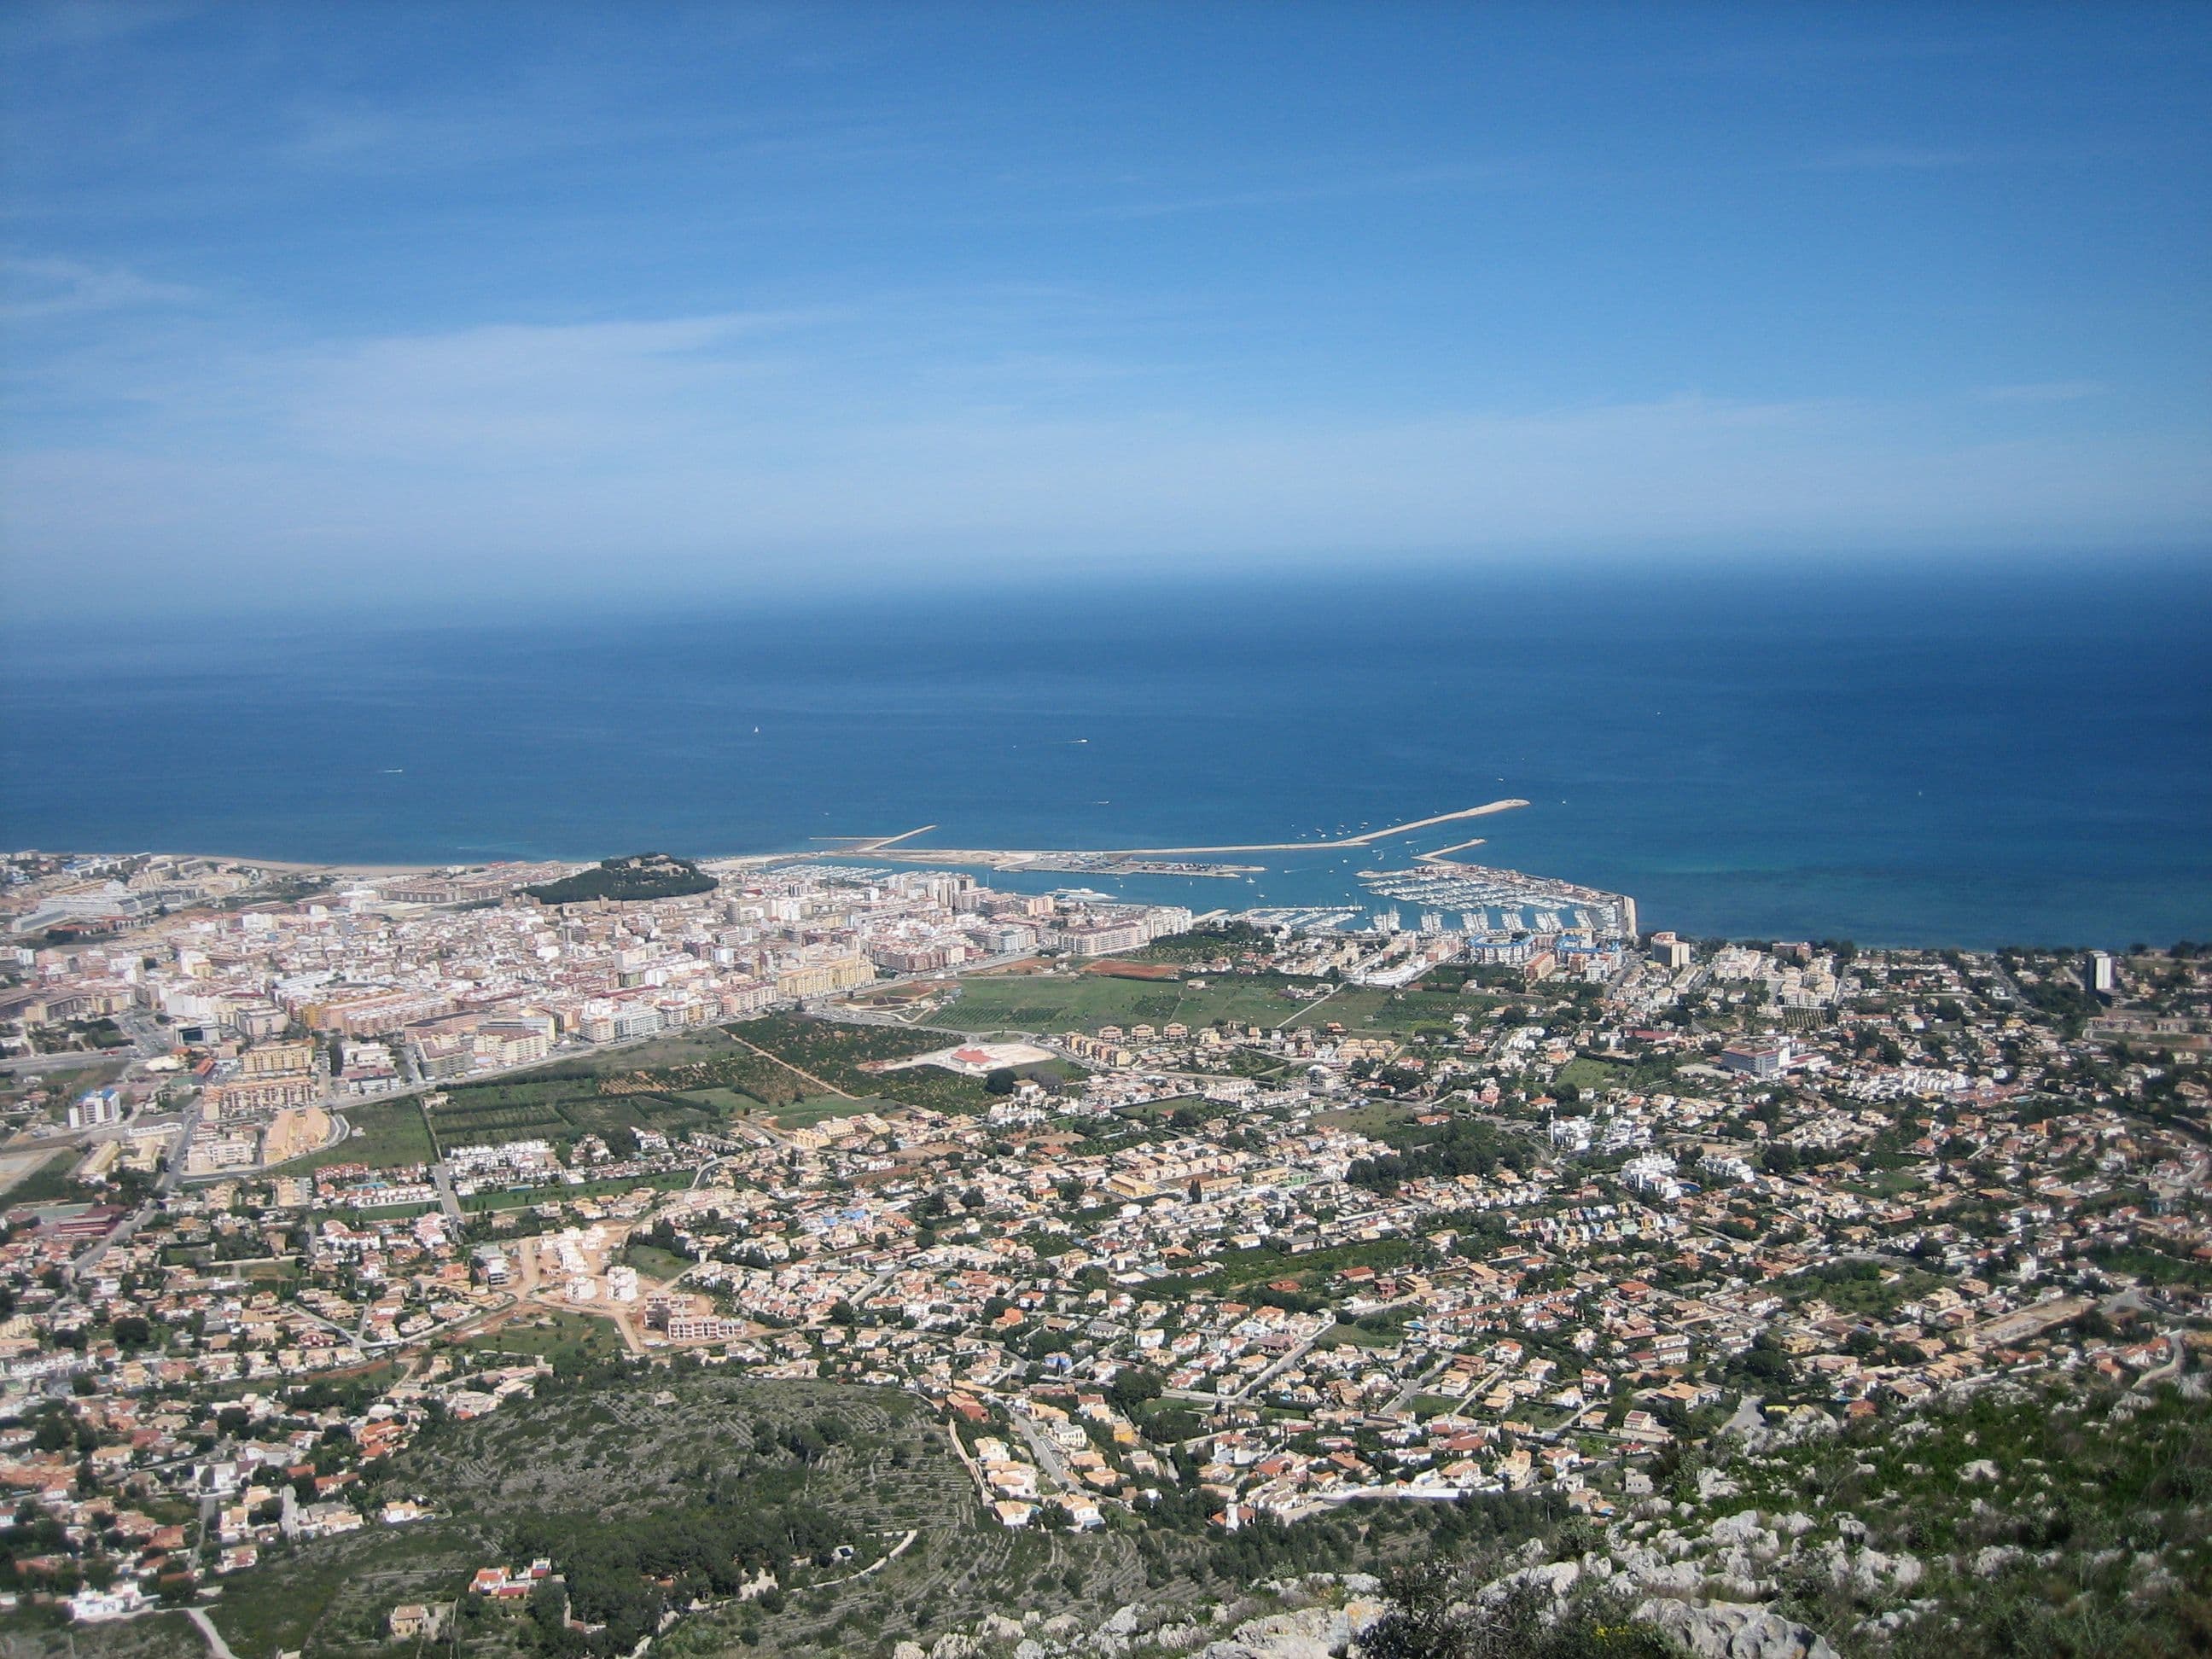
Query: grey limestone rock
point(1741, 1529)
point(1309, 1633)
point(1554, 1579)
point(1730, 1630)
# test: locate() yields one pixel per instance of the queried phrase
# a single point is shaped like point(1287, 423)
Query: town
point(1216, 1222)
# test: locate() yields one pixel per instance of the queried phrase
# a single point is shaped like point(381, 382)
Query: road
point(1403, 1398)
point(1746, 1417)
point(124, 1230)
point(1281, 1365)
point(149, 1036)
point(74, 1061)
point(1047, 1452)
point(2171, 1370)
point(217, 1646)
point(442, 1179)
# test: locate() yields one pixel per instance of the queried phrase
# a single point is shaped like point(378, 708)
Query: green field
point(1377, 1118)
point(838, 1055)
point(555, 1334)
point(1054, 1002)
point(559, 1102)
point(45, 1182)
point(386, 1136)
point(652, 1261)
point(1586, 1074)
point(526, 1198)
point(1369, 1009)
point(1083, 1003)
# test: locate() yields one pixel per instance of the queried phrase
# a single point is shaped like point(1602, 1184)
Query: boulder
point(1734, 1630)
point(1994, 1559)
point(1309, 1633)
point(1737, 1528)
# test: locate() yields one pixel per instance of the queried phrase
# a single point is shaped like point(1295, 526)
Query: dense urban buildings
point(1222, 1223)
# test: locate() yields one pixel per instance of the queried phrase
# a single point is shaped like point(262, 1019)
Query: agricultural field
point(388, 1135)
point(1054, 1002)
point(676, 1084)
point(30, 1177)
point(825, 1053)
point(562, 1109)
point(1369, 1009)
point(523, 1198)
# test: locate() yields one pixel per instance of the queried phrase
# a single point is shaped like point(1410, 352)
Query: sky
point(456, 308)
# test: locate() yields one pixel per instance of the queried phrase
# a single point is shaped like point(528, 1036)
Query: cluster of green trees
point(1463, 1146)
point(624, 1573)
point(641, 876)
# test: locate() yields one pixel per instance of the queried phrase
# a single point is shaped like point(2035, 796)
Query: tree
point(1132, 1385)
point(1439, 1611)
point(1000, 1081)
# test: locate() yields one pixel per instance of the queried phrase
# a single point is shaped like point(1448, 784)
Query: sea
point(1967, 751)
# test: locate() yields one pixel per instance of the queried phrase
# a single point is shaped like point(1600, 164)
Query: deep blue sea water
point(1962, 753)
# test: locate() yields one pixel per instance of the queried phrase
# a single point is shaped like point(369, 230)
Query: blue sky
point(456, 305)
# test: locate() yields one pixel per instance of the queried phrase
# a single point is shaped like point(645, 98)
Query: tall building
point(2101, 978)
point(100, 1106)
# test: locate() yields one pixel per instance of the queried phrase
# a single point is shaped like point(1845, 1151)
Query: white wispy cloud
point(748, 445)
point(34, 288)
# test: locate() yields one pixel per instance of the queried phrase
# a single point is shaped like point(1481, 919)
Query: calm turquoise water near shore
point(1969, 754)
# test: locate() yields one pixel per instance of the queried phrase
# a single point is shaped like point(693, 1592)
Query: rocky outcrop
point(1320, 1633)
point(1734, 1630)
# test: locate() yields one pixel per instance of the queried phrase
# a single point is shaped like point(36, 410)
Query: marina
point(1498, 904)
